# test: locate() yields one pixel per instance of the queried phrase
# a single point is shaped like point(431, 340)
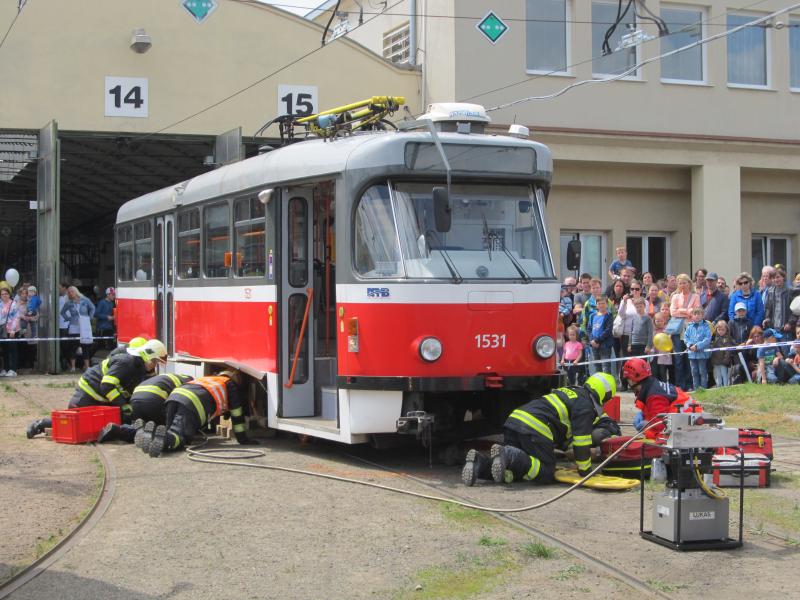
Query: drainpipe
point(412, 32)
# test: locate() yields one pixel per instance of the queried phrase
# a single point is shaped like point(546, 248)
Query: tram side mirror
point(574, 255)
point(442, 212)
point(264, 196)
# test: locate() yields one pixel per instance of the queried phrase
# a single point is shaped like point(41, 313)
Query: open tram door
point(164, 279)
point(307, 300)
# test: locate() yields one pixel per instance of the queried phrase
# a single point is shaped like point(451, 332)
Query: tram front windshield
point(496, 232)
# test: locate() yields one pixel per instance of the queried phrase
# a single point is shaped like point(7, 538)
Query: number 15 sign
point(126, 97)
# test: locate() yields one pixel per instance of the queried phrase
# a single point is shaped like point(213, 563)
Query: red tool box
point(628, 463)
point(611, 408)
point(727, 470)
point(83, 424)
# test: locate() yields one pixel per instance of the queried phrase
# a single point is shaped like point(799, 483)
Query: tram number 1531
point(490, 340)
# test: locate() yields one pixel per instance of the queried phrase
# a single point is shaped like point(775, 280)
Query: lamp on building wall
point(140, 41)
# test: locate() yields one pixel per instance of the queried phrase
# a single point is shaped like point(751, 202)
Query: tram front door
point(164, 279)
point(296, 300)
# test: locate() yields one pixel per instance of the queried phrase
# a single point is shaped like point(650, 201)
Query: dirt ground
point(181, 529)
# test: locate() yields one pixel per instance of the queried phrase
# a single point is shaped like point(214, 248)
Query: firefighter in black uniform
point(112, 381)
point(147, 404)
point(190, 407)
point(534, 430)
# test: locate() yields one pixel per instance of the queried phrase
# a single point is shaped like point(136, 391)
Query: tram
point(368, 283)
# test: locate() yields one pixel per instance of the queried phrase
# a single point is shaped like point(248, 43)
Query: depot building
point(105, 103)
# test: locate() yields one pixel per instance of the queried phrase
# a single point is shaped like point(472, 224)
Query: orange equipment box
point(611, 408)
point(83, 424)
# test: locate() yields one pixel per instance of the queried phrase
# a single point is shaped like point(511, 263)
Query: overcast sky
point(300, 7)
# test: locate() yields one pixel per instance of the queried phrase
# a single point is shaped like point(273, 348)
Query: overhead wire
point(638, 65)
point(13, 21)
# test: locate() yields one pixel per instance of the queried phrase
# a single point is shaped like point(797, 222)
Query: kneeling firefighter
point(148, 403)
point(534, 430)
point(192, 405)
point(654, 397)
point(112, 381)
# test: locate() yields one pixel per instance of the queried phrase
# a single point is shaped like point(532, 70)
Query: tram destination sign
point(492, 27)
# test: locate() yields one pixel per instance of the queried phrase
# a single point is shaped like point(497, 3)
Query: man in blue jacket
point(751, 299)
point(717, 306)
point(104, 314)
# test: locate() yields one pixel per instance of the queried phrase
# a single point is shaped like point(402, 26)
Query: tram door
point(297, 315)
point(164, 279)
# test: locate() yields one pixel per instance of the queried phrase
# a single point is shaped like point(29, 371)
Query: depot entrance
point(59, 195)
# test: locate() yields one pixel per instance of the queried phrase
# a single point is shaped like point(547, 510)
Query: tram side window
point(217, 239)
point(189, 244)
point(125, 253)
point(250, 228)
point(377, 253)
point(143, 250)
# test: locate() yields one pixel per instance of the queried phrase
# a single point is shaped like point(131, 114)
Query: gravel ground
point(180, 529)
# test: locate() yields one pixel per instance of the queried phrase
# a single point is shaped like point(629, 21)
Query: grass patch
point(471, 579)
point(538, 550)
point(466, 516)
point(667, 588)
point(8, 388)
point(755, 405)
point(60, 386)
point(491, 542)
point(786, 480)
point(43, 546)
point(765, 510)
point(570, 572)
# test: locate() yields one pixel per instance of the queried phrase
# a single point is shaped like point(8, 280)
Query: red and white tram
point(360, 295)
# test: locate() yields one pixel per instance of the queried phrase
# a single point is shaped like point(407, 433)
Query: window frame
point(149, 223)
point(703, 33)
point(235, 248)
point(794, 30)
point(767, 54)
point(203, 245)
point(765, 239)
point(120, 244)
point(645, 235)
point(567, 72)
point(181, 234)
point(404, 30)
point(636, 75)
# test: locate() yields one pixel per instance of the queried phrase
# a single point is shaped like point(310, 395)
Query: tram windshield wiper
point(487, 236)
point(490, 237)
point(457, 278)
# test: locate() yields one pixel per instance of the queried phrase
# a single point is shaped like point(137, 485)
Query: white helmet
point(150, 350)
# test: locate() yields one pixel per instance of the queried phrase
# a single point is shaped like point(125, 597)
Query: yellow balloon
point(662, 342)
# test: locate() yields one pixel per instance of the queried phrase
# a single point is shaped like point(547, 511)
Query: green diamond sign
point(200, 9)
point(492, 27)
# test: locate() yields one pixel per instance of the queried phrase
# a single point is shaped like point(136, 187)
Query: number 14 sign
point(126, 97)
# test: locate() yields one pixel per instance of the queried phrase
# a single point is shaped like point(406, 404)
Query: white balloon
point(12, 277)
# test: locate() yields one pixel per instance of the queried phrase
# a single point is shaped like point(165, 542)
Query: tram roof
point(307, 160)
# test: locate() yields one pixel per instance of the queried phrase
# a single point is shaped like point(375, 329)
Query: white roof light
point(456, 111)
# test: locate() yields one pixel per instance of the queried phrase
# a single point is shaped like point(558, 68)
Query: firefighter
point(654, 397)
point(147, 404)
point(534, 430)
point(111, 382)
point(190, 407)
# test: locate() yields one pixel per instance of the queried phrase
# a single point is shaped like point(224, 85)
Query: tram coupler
point(419, 423)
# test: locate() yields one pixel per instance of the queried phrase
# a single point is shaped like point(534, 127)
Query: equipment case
point(726, 470)
point(629, 462)
point(752, 441)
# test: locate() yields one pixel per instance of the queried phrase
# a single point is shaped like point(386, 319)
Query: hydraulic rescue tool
point(689, 514)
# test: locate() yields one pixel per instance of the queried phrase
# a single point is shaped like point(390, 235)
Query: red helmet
point(636, 369)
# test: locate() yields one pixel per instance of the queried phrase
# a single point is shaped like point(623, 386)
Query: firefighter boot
point(36, 427)
point(108, 433)
point(144, 436)
point(509, 463)
point(159, 442)
point(477, 466)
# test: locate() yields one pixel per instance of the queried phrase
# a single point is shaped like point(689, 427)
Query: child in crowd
point(622, 261)
point(600, 335)
point(740, 326)
point(641, 339)
point(565, 306)
point(573, 353)
point(697, 337)
point(722, 361)
point(663, 366)
point(767, 356)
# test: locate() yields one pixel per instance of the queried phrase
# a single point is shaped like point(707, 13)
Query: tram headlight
point(544, 346)
point(430, 349)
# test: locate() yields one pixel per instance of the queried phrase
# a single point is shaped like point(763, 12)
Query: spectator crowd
point(679, 323)
point(81, 320)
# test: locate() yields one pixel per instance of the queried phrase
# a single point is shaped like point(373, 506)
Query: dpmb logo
point(200, 9)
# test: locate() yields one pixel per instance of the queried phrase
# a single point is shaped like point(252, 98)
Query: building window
point(747, 53)
point(649, 252)
point(189, 244)
point(794, 54)
point(685, 27)
point(217, 240)
point(603, 15)
point(593, 253)
point(771, 250)
point(546, 36)
point(143, 250)
point(396, 44)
